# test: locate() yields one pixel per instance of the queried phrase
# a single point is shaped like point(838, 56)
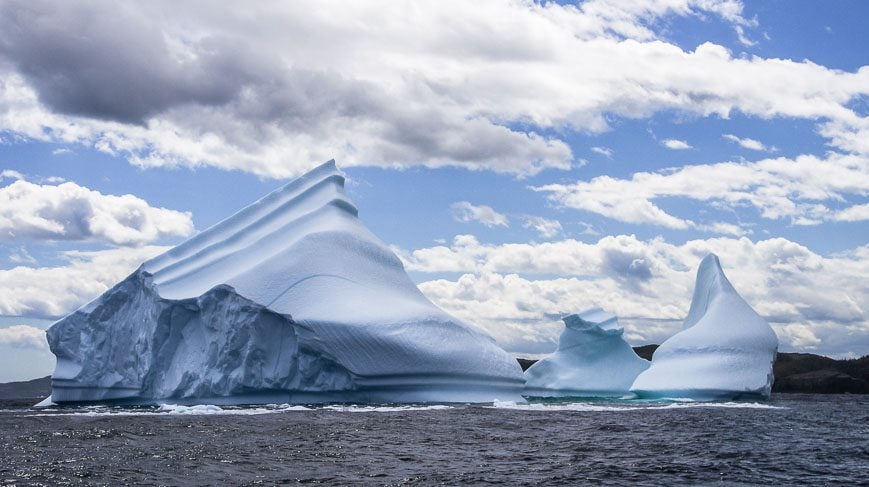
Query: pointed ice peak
point(331, 164)
point(710, 282)
point(312, 203)
point(711, 266)
point(591, 318)
point(320, 171)
point(724, 351)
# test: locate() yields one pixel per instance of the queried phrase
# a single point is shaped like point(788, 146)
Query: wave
point(211, 409)
point(626, 406)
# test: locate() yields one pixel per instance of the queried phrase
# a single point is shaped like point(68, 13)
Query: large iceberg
point(592, 360)
point(724, 351)
point(289, 300)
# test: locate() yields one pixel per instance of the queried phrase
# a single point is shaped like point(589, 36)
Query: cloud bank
point(806, 190)
point(52, 292)
point(68, 211)
point(23, 336)
point(518, 292)
point(483, 85)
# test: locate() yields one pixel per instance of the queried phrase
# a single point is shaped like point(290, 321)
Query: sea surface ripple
point(791, 439)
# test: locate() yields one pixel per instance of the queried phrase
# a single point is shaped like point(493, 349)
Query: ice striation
point(592, 360)
point(289, 300)
point(724, 351)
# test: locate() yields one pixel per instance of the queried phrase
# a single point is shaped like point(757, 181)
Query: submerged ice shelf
point(724, 351)
point(592, 360)
point(290, 300)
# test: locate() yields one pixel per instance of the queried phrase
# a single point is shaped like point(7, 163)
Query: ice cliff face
point(724, 351)
point(215, 345)
point(291, 299)
point(592, 360)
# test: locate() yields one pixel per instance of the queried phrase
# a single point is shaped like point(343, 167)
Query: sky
point(525, 160)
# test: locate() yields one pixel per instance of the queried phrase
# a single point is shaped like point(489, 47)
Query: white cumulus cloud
point(10, 174)
point(56, 291)
point(21, 256)
point(464, 211)
point(676, 144)
point(604, 151)
point(747, 143)
point(853, 213)
point(490, 84)
point(68, 211)
point(518, 292)
point(23, 336)
point(802, 190)
point(545, 227)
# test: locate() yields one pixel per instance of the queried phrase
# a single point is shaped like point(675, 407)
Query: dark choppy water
point(791, 439)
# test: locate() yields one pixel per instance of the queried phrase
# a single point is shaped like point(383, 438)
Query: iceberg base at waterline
point(221, 348)
point(592, 360)
point(291, 300)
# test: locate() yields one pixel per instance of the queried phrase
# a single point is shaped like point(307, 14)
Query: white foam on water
point(385, 409)
point(210, 409)
point(733, 405)
point(197, 409)
point(562, 406)
point(177, 409)
point(625, 406)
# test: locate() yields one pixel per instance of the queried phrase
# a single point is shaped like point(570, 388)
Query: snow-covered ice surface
point(725, 349)
point(592, 360)
point(290, 300)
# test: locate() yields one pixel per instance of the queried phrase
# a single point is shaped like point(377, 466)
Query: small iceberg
point(724, 351)
point(592, 360)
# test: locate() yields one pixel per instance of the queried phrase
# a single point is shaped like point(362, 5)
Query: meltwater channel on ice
point(293, 300)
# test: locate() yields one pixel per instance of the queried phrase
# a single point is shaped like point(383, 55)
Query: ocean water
point(791, 439)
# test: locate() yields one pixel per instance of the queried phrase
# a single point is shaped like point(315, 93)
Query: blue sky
point(525, 160)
